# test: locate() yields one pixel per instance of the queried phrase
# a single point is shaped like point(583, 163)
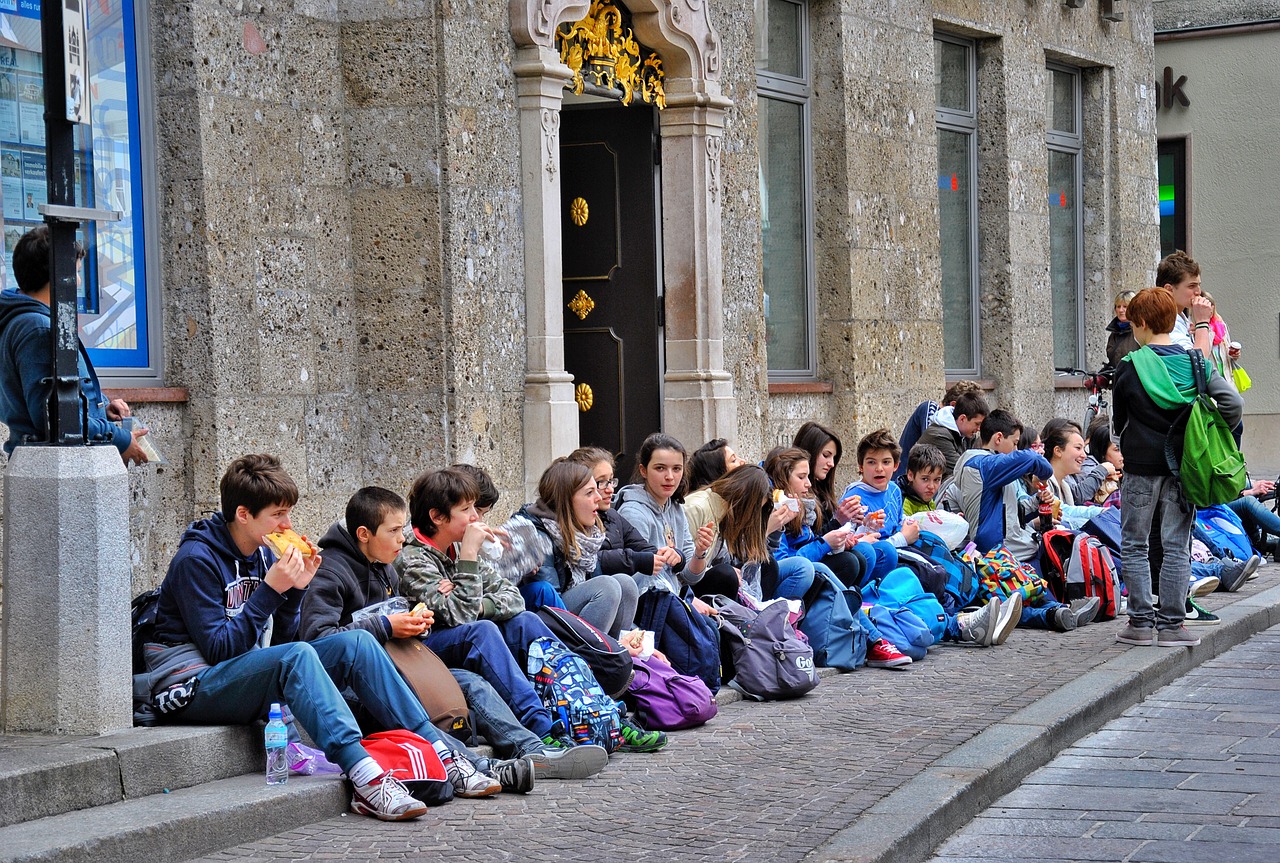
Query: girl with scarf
point(571, 577)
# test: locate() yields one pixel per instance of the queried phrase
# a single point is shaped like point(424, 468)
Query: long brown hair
point(556, 488)
point(811, 438)
point(780, 464)
point(746, 494)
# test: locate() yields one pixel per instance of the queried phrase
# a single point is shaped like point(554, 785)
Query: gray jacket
point(660, 526)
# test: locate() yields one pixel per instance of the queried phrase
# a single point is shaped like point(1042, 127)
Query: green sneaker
point(552, 741)
point(1198, 615)
point(636, 739)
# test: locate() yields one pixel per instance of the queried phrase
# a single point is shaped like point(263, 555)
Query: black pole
point(66, 425)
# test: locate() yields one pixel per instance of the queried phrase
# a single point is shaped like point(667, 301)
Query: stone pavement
point(789, 781)
point(1190, 774)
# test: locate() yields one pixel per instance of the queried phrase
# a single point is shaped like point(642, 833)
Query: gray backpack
point(770, 661)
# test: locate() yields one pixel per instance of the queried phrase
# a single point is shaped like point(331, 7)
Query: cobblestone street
point(1191, 774)
point(761, 781)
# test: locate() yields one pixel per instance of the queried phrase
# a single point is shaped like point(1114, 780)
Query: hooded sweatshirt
point(945, 436)
point(346, 582)
point(921, 418)
point(988, 487)
point(214, 604)
point(25, 365)
point(478, 593)
point(660, 526)
point(1148, 403)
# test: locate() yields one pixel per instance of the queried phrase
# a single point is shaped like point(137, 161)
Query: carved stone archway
point(698, 400)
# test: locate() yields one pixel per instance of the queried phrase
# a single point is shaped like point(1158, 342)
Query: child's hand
point(703, 609)
point(837, 539)
point(477, 533)
point(1045, 495)
point(874, 520)
point(665, 556)
point(406, 625)
point(910, 530)
point(850, 509)
point(778, 519)
point(705, 536)
point(445, 587)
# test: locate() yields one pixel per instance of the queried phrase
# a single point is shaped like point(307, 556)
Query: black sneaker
point(515, 775)
point(636, 739)
point(1198, 615)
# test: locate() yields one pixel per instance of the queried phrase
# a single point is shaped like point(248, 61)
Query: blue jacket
point(214, 597)
point(920, 419)
point(806, 544)
point(984, 479)
point(889, 500)
point(26, 365)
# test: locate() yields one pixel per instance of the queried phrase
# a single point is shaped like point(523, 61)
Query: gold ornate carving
point(602, 47)
point(578, 211)
point(584, 397)
point(581, 305)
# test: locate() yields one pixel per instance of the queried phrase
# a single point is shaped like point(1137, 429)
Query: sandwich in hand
point(286, 539)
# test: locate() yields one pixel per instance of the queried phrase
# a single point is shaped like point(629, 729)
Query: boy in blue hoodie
point(226, 646)
point(26, 365)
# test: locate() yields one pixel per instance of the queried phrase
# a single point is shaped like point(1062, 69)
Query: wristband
point(1203, 325)
point(702, 555)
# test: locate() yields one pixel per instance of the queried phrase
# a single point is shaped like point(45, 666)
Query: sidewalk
point(871, 766)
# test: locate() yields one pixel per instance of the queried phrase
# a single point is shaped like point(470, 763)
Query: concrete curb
point(909, 823)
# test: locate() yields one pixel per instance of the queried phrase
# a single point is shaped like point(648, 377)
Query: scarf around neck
point(583, 566)
point(1170, 384)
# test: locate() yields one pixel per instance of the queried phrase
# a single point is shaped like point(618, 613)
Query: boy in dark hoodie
point(357, 572)
point(954, 428)
point(1153, 386)
point(226, 646)
point(26, 365)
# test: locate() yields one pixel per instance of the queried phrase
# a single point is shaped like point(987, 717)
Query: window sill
point(800, 387)
point(1068, 382)
point(149, 395)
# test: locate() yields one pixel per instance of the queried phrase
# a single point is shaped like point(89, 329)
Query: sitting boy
point(226, 647)
point(954, 427)
point(440, 566)
point(356, 572)
point(987, 480)
point(920, 484)
point(878, 456)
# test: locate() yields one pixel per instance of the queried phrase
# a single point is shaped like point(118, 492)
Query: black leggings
point(720, 579)
point(847, 567)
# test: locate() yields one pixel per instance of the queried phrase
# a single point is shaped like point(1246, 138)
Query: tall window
point(955, 84)
point(1066, 229)
point(786, 191)
point(1173, 196)
point(114, 319)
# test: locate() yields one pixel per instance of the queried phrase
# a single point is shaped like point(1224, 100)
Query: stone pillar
point(550, 413)
point(698, 402)
point(66, 665)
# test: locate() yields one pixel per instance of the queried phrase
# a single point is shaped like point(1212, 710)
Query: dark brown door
point(610, 229)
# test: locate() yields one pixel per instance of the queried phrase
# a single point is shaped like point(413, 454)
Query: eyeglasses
point(608, 484)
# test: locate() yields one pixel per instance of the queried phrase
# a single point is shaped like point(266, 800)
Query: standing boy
point(226, 645)
point(357, 572)
point(1153, 387)
point(1179, 274)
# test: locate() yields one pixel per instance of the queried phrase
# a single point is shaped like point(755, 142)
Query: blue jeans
point(879, 557)
point(795, 578)
point(493, 718)
point(310, 677)
point(1156, 502)
point(490, 650)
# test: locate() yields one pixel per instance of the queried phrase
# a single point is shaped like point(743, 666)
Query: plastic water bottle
point(277, 739)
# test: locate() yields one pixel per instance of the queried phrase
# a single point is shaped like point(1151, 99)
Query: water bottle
point(277, 739)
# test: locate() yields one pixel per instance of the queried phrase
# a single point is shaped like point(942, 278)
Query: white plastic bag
point(947, 526)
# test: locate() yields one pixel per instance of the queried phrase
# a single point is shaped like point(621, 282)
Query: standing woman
point(566, 510)
point(652, 504)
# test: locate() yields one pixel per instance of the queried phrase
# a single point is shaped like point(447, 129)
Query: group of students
point(238, 627)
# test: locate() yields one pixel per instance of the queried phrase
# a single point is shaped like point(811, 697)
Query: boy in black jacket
point(1153, 386)
point(356, 572)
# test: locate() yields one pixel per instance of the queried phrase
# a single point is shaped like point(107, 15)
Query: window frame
point(1072, 144)
point(966, 122)
point(779, 87)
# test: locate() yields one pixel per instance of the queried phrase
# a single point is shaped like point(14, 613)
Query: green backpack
point(1210, 467)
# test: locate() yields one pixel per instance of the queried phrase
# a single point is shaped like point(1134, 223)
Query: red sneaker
point(882, 654)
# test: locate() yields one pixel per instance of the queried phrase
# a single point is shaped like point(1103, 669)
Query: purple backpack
point(666, 700)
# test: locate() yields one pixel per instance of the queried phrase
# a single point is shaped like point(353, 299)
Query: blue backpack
point(831, 623)
point(963, 584)
point(690, 641)
point(1222, 530)
point(899, 588)
point(904, 630)
point(564, 683)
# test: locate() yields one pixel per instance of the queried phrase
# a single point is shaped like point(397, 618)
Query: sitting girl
point(566, 510)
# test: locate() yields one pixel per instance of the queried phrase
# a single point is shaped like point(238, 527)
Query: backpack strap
point(1173, 453)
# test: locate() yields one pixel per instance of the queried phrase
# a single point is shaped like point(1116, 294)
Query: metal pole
point(65, 415)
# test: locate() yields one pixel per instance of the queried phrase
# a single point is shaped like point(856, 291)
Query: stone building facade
point(360, 228)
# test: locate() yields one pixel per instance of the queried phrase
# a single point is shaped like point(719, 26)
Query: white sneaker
point(1203, 586)
point(386, 799)
point(1009, 617)
point(467, 781)
point(979, 627)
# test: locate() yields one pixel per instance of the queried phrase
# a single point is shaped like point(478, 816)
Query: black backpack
point(608, 660)
point(142, 615)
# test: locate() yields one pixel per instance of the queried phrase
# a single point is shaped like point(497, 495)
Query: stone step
point(42, 777)
point(176, 826)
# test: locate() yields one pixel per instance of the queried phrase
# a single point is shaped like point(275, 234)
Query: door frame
point(697, 390)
